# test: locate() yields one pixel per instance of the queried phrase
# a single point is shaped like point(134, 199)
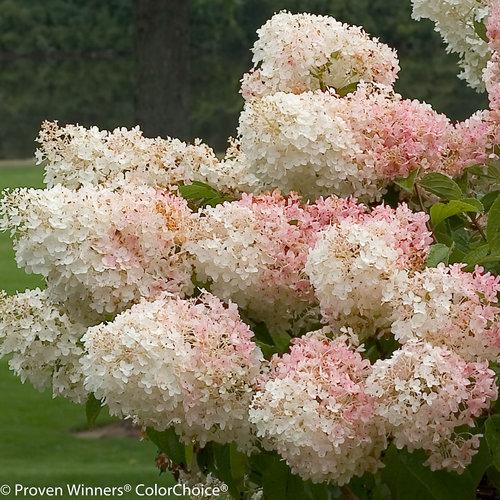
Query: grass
point(18, 174)
point(38, 446)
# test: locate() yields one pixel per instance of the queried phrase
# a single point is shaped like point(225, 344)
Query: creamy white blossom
point(300, 52)
point(187, 363)
point(104, 248)
point(355, 264)
point(455, 22)
point(425, 394)
point(75, 156)
point(448, 307)
point(303, 143)
point(43, 343)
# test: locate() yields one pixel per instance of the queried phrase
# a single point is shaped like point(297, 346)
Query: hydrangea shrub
point(311, 315)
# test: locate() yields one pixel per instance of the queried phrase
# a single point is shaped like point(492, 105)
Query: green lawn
point(37, 442)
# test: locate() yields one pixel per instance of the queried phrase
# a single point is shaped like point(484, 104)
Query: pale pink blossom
point(312, 408)
point(426, 394)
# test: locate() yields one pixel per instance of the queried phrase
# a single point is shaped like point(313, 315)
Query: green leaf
point(496, 368)
point(230, 467)
point(262, 333)
point(478, 170)
point(456, 256)
point(201, 194)
point(168, 442)
point(276, 478)
point(442, 211)
point(407, 183)
point(480, 29)
point(493, 171)
point(493, 475)
point(443, 234)
point(492, 435)
point(475, 255)
point(267, 350)
point(438, 253)
point(238, 462)
point(281, 340)
point(461, 238)
point(205, 459)
point(489, 259)
point(442, 186)
point(278, 483)
point(223, 466)
point(348, 89)
point(409, 479)
point(189, 454)
point(463, 181)
point(370, 487)
point(493, 227)
point(197, 190)
point(487, 171)
point(92, 409)
point(488, 199)
point(481, 461)
point(391, 197)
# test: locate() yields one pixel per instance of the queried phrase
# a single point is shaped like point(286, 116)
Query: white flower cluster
point(350, 269)
point(318, 143)
point(424, 393)
point(313, 409)
point(450, 308)
point(104, 248)
point(456, 22)
point(354, 265)
point(75, 156)
point(300, 52)
point(302, 143)
point(43, 343)
point(190, 363)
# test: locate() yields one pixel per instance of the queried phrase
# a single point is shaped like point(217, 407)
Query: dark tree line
point(163, 67)
point(174, 65)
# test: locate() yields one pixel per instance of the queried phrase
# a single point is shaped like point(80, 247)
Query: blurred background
point(172, 66)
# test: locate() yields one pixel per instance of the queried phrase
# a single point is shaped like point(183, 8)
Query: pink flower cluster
point(425, 394)
point(411, 236)
point(493, 26)
point(354, 265)
point(188, 363)
point(312, 407)
point(253, 252)
point(397, 136)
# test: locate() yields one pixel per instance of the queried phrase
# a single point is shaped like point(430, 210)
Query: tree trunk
point(162, 62)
